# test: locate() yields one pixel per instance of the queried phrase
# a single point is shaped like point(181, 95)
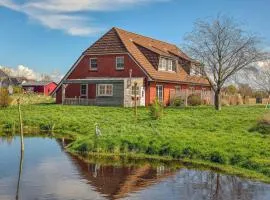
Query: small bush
point(156, 109)
point(217, 157)
point(194, 100)
point(263, 124)
point(5, 99)
point(17, 90)
point(178, 102)
point(49, 127)
point(236, 159)
point(189, 152)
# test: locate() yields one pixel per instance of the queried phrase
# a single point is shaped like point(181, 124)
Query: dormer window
point(170, 65)
point(196, 70)
point(163, 64)
point(166, 64)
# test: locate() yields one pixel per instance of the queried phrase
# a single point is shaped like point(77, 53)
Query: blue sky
point(51, 34)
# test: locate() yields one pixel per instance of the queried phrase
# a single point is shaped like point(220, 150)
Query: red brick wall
point(106, 67)
point(91, 91)
point(73, 90)
point(151, 91)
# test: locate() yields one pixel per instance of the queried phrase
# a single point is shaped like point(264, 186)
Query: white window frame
point(178, 89)
point(105, 90)
point(170, 65)
point(192, 89)
point(163, 64)
point(204, 91)
point(158, 94)
point(86, 90)
point(166, 64)
point(116, 62)
point(90, 64)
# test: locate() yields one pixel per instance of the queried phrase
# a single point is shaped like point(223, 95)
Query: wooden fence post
point(21, 124)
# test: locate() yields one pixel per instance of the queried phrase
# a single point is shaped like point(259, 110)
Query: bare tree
point(259, 76)
point(223, 49)
point(46, 77)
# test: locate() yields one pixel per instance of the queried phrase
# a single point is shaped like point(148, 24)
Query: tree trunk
point(217, 100)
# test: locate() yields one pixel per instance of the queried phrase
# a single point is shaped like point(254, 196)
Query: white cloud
point(23, 71)
point(66, 15)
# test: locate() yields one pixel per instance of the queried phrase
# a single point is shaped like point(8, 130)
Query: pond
point(48, 172)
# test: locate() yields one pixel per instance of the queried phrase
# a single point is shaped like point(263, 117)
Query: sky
point(48, 35)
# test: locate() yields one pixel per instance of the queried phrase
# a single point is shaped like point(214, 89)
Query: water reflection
point(163, 182)
point(19, 176)
point(51, 173)
point(116, 182)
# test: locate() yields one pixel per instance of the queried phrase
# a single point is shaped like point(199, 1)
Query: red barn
point(106, 73)
point(42, 87)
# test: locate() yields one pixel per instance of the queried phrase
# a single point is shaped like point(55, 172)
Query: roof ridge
point(146, 37)
point(107, 32)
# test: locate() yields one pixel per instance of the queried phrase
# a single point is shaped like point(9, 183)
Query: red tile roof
point(120, 41)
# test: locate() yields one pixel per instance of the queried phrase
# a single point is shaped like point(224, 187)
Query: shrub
point(263, 124)
point(217, 157)
point(156, 109)
point(194, 100)
point(17, 90)
point(189, 152)
point(236, 159)
point(5, 99)
point(178, 101)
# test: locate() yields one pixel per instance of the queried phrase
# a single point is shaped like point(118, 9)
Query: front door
point(142, 99)
point(159, 93)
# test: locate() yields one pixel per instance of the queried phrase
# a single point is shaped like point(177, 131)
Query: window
point(163, 64)
point(170, 65)
point(93, 64)
point(135, 90)
point(83, 90)
point(196, 70)
point(192, 71)
point(192, 90)
point(177, 89)
point(167, 65)
point(159, 93)
point(105, 90)
point(120, 63)
point(204, 91)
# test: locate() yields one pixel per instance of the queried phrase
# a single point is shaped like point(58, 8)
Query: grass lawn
point(199, 134)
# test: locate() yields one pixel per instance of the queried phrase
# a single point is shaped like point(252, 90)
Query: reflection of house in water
point(117, 182)
point(122, 180)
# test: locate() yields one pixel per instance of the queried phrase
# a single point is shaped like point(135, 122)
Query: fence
point(206, 95)
point(79, 101)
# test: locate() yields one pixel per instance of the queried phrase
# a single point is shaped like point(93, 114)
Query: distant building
point(19, 80)
point(42, 87)
point(5, 80)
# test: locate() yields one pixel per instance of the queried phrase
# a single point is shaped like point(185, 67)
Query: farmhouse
point(122, 65)
point(41, 87)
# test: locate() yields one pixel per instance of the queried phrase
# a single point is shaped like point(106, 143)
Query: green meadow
point(231, 140)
